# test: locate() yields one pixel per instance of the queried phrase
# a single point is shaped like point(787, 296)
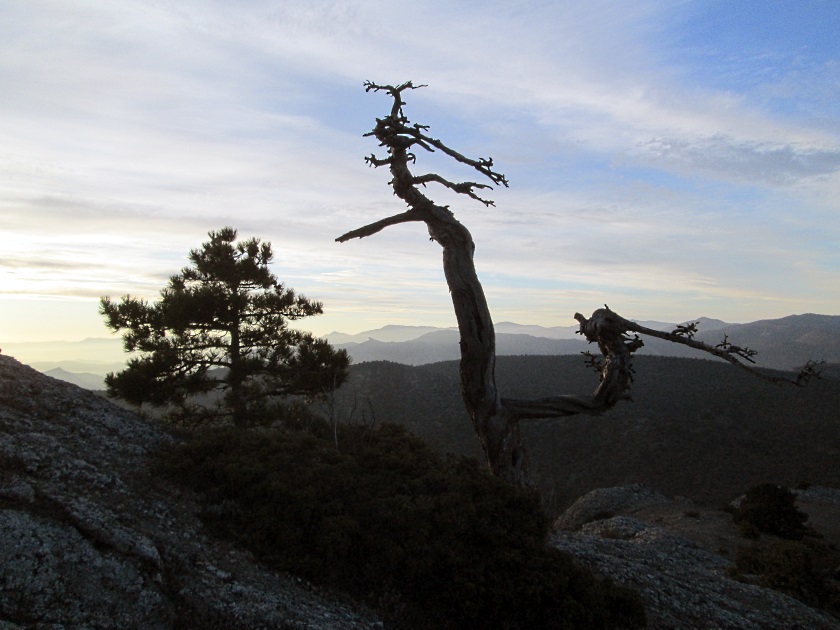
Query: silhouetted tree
point(495, 419)
point(221, 329)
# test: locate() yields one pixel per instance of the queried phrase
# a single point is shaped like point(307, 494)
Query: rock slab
point(89, 537)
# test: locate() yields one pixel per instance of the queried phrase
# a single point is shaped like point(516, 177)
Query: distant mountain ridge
point(90, 350)
point(389, 333)
point(786, 343)
point(85, 380)
point(396, 333)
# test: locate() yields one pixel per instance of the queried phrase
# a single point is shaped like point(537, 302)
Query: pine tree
point(217, 346)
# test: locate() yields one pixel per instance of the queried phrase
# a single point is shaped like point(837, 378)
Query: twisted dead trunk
point(497, 420)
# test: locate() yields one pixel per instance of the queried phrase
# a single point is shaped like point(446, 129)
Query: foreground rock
point(88, 538)
point(677, 557)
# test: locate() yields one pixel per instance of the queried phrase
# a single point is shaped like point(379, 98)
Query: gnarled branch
point(378, 226)
point(736, 355)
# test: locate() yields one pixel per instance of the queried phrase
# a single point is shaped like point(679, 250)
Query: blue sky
point(671, 159)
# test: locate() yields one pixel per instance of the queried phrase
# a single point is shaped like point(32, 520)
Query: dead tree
point(497, 420)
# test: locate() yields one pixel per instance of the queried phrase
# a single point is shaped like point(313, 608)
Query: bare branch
point(593, 361)
point(482, 165)
point(735, 355)
point(744, 353)
point(809, 370)
point(398, 134)
point(464, 188)
point(378, 226)
point(683, 334)
point(608, 330)
point(377, 162)
point(394, 92)
point(686, 330)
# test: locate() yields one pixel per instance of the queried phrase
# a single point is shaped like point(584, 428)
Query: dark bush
point(789, 566)
point(433, 541)
point(771, 509)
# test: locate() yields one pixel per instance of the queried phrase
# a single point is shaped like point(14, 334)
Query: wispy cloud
point(648, 161)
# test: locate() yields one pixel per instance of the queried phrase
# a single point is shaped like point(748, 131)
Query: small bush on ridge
point(771, 509)
point(790, 566)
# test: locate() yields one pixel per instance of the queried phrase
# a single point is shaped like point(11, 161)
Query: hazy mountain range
point(784, 343)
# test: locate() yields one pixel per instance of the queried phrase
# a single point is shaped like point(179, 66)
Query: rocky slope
point(678, 557)
point(89, 537)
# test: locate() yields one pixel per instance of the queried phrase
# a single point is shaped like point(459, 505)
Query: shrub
point(433, 541)
point(788, 566)
point(771, 509)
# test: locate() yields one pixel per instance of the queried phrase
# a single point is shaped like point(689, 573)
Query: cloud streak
point(643, 166)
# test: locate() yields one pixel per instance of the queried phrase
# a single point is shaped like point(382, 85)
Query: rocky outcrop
point(90, 538)
point(683, 583)
point(606, 502)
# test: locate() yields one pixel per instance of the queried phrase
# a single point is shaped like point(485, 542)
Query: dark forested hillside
point(696, 428)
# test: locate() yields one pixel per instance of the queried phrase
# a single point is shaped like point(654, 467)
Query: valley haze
point(785, 344)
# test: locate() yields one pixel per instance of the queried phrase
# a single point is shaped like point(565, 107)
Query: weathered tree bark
point(496, 420)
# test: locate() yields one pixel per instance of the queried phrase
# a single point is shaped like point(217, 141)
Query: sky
point(672, 159)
